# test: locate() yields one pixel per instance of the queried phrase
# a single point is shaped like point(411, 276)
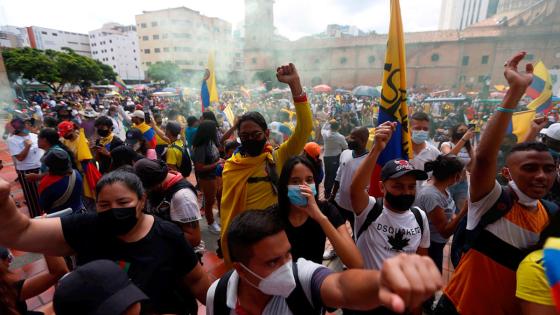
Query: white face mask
point(523, 199)
point(281, 282)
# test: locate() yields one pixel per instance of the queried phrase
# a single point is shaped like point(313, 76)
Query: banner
point(393, 98)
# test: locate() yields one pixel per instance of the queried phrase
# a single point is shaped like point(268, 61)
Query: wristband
point(505, 110)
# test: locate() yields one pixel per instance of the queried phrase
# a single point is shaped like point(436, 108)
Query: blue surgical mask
point(419, 136)
point(295, 196)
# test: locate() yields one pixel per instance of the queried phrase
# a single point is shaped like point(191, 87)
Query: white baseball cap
point(553, 131)
point(139, 114)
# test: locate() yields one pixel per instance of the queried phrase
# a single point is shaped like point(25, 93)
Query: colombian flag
point(149, 134)
point(393, 98)
point(520, 124)
point(84, 157)
point(119, 83)
point(209, 91)
point(540, 89)
point(552, 268)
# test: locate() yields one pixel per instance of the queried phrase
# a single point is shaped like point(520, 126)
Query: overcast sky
point(292, 18)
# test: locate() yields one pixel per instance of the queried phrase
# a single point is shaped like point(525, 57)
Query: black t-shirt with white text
point(156, 264)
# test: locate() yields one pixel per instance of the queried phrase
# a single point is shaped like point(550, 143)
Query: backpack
point(157, 201)
point(463, 239)
point(297, 300)
point(186, 164)
point(376, 212)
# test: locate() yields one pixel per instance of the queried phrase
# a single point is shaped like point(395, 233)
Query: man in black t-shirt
point(105, 144)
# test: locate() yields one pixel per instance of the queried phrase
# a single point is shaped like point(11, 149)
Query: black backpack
point(463, 239)
point(186, 164)
point(376, 212)
point(297, 300)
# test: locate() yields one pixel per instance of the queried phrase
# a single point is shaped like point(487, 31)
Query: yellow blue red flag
point(393, 98)
point(540, 89)
point(209, 90)
point(520, 124)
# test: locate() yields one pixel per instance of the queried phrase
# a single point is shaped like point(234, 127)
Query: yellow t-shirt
point(532, 284)
point(174, 156)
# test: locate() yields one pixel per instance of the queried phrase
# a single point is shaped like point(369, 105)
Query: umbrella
point(140, 87)
point(323, 88)
point(364, 90)
point(172, 90)
point(341, 91)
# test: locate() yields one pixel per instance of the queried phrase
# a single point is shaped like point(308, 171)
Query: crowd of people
point(116, 191)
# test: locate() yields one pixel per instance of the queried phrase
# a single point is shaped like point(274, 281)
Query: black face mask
point(103, 133)
point(353, 145)
point(458, 135)
point(253, 147)
point(117, 221)
point(400, 202)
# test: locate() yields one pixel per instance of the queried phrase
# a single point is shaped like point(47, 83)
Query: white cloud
point(293, 18)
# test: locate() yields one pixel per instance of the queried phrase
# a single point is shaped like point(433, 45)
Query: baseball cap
point(58, 162)
point(312, 149)
point(65, 127)
point(399, 168)
point(133, 135)
point(150, 172)
point(96, 288)
point(17, 124)
point(553, 131)
point(139, 114)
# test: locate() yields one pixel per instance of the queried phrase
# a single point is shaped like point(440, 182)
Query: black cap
point(96, 288)
point(133, 135)
point(58, 162)
point(151, 172)
point(398, 168)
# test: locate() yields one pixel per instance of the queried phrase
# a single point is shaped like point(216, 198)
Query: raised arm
point(358, 190)
point(404, 282)
point(485, 159)
point(30, 235)
point(304, 120)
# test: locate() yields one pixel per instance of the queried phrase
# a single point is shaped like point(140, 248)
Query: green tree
point(268, 77)
point(55, 68)
point(164, 71)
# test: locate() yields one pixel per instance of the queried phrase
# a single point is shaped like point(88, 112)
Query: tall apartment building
point(47, 38)
point(459, 14)
point(185, 37)
point(117, 46)
point(13, 36)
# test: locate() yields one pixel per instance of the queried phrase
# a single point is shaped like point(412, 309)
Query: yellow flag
point(521, 123)
point(212, 89)
point(393, 91)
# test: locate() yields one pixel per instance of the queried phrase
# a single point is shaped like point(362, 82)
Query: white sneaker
point(214, 228)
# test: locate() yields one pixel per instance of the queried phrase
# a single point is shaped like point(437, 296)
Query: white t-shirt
point(33, 159)
point(429, 153)
point(184, 206)
point(348, 166)
point(390, 234)
point(277, 304)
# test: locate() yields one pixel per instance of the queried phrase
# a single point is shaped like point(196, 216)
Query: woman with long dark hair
point(206, 157)
point(434, 198)
point(310, 222)
point(460, 146)
point(14, 291)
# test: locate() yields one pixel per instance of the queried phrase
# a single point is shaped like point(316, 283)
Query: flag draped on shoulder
point(551, 257)
point(85, 158)
point(540, 89)
point(209, 90)
point(393, 98)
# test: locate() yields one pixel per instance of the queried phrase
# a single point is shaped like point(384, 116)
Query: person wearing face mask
point(434, 198)
point(152, 251)
point(23, 147)
point(136, 141)
point(106, 142)
point(391, 225)
point(349, 161)
point(267, 280)
point(422, 149)
point(250, 175)
point(504, 222)
point(308, 221)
